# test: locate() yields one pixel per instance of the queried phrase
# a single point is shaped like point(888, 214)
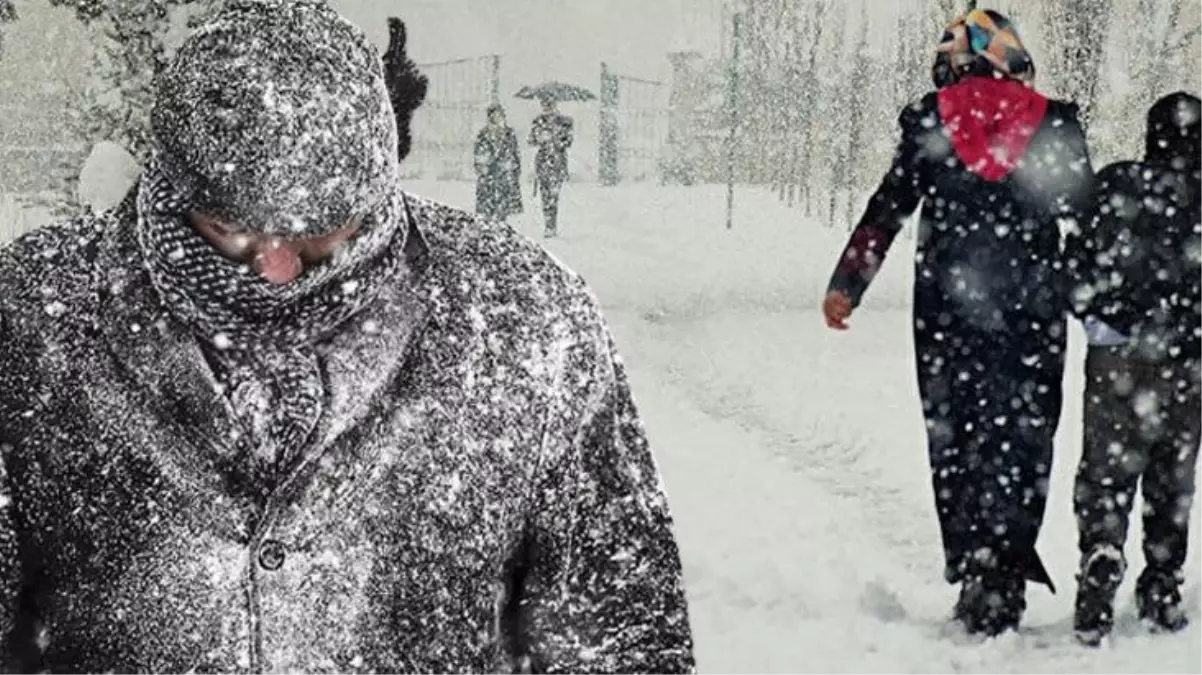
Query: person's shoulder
point(51, 255)
point(1063, 118)
point(1121, 174)
point(920, 114)
point(48, 277)
point(1140, 179)
point(486, 263)
point(1062, 110)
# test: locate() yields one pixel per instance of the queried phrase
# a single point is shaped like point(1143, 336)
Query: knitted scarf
point(260, 338)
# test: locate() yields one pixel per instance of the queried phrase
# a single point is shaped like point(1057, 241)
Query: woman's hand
point(836, 308)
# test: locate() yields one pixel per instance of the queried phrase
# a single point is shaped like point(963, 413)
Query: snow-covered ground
point(794, 457)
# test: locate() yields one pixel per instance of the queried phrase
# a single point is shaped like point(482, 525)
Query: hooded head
point(1174, 136)
point(983, 74)
point(275, 116)
point(982, 42)
point(496, 114)
point(273, 126)
point(406, 85)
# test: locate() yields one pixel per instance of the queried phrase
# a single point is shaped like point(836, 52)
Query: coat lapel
point(159, 358)
point(365, 363)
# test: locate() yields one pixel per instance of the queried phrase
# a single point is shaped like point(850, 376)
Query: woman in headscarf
point(995, 167)
point(498, 168)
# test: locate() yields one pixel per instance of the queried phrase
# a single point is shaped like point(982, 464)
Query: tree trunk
point(1078, 29)
point(809, 107)
point(853, 156)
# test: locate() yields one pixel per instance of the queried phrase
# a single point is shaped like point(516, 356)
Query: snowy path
point(806, 526)
point(794, 457)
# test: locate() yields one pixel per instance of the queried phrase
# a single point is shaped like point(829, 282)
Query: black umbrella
point(556, 91)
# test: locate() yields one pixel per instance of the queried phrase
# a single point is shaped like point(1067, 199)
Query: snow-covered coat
point(478, 491)
point(498, 173)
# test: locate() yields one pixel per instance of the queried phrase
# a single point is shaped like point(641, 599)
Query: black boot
point(992, 603)
point(1158, 600)
point(1097, 582)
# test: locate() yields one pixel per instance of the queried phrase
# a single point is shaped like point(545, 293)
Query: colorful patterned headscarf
point(978, 42)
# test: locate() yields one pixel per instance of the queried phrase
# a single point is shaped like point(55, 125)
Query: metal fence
point(444, 128)
point(635, 120)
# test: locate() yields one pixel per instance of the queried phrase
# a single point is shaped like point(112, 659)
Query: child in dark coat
point(1137, 266)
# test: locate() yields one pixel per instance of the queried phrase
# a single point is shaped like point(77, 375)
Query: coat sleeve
point(481, 154)
point(602, 589)
point(1105, 267)
point(565, 135)
point(11, 573)
point(1077, 210)
point(894, 201)
point(515, 155)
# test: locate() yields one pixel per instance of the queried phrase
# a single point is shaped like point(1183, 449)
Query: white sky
point(545, 39)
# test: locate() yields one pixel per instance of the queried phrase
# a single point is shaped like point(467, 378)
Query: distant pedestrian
point(498, 167)
point(551, 132)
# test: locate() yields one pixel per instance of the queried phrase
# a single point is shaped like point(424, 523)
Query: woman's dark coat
point(995, 168)
point(498, 173)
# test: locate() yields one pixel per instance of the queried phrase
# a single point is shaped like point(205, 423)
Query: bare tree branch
point(1183, 41)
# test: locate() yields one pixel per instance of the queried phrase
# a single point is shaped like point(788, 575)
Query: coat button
point(271, 555)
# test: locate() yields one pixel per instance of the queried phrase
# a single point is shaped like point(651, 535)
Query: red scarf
point(990, 122)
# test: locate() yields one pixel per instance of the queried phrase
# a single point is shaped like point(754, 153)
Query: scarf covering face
point(260, 337)
point(273, 117)
point(231, 307)
point(982, 37)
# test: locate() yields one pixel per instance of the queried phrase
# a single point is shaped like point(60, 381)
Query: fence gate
point(633, 127)
point(445, 126)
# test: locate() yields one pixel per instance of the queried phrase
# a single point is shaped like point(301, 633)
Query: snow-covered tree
point(8, 14)
point(1077, 31)
point(864, 124)
point(807, 88)
point(130, 49)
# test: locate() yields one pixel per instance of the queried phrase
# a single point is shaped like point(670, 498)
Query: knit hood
point(1174, 134)
point(275, 117)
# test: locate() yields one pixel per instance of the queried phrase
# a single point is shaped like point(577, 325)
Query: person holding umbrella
point(551, 132)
